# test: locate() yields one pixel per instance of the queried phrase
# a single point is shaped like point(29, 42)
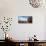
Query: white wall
point(7, 8)
point(24, 31)
point(15, 8)
point(38, 17)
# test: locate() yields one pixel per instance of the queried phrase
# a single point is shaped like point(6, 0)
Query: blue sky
point(23, 18)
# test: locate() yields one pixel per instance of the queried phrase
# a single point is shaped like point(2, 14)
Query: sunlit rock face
point(35, 3)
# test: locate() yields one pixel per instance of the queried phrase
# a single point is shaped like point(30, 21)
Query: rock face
point(35, 3)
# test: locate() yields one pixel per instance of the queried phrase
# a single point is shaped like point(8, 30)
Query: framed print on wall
point(24, 19)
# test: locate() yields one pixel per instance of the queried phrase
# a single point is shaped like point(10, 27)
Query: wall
point(15, 8)
point(7, 8)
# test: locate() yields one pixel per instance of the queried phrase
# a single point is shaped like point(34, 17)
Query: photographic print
point(24, 19)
